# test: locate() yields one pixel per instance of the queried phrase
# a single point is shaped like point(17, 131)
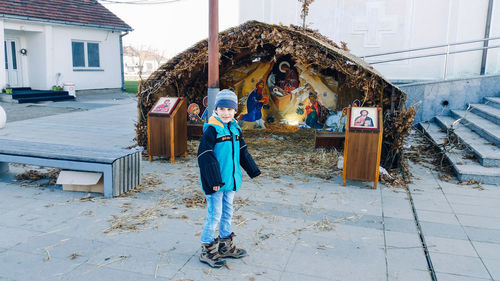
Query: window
point(85, 54)
point(14, 59)
point(93, 54)
point(6, 61)
point(78, 54)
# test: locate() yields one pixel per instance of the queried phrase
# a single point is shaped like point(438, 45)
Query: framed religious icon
point(364, 118)
point(164, 105)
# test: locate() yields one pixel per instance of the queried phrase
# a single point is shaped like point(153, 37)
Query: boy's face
point(225, 114)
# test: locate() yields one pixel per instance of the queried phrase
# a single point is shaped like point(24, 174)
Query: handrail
point(431, 47)
point(446, 54)
point(436, 54)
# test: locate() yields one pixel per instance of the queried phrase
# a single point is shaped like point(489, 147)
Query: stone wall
point(438, 98)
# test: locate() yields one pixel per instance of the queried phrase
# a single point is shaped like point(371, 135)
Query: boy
point(222, 150)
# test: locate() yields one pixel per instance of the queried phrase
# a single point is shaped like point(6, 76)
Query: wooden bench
point(120, 167)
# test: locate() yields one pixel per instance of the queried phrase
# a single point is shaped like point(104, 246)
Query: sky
point(171, 27)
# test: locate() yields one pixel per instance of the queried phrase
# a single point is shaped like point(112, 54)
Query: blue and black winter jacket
point(222, 150)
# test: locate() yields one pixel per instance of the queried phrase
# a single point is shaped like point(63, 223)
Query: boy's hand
point(216, 188)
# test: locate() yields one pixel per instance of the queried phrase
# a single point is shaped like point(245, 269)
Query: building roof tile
point(79, 12)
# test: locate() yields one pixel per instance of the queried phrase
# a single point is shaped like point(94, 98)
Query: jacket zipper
point(232, 146)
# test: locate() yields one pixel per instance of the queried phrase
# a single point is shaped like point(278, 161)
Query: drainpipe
point(121, 60)
point(213, 54)
point(486, 35)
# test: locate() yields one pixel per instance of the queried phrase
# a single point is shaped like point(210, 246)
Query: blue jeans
point(219, 209)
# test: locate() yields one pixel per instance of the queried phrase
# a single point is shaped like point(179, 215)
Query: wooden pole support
point(149, 142)
point(379, 148)
point(172, 141)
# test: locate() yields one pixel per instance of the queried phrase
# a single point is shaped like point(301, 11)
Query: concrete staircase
point(477, 133)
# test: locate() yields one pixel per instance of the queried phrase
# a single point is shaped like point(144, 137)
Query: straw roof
point(186, 74)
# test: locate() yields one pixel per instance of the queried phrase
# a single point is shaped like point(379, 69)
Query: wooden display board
point(167, 129)
point(363, 144)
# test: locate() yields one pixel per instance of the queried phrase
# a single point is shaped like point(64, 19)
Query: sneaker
point(227, 249)
point(210, 255)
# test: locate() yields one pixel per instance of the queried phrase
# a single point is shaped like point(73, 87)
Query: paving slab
point(300, 277)
point(479, 221)
point(111, 127)
point(402, 240)
point(104, 272)
point(397, 206)
point(400, 225)
point(476, 210)
point(407, 264)
point(493, 266)
point(336, 261)
point(451, 246)
point(437, 217)
point(61, 247)
point(12, 236)
point(25, 266)
point(457, 277)
point(409, 274)
point(461, 265)
point(238, 271)
point(484, 202)
point(481, 234)
point(487, 250)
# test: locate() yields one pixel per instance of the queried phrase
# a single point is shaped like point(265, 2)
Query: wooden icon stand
point(362, 147)
point(167, 131)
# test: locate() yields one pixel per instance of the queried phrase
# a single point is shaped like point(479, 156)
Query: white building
point(140, 63)
point(51, 42)
point(379, 26)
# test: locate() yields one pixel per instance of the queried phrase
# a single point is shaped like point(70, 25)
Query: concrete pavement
point(294, 228)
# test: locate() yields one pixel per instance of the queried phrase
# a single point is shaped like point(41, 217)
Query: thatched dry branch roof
point(186, 74)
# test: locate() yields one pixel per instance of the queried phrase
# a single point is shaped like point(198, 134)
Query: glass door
point(12, 64)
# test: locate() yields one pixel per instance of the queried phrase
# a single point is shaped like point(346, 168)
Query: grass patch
point(131, 86)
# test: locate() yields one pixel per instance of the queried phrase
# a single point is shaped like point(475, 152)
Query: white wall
point(493, 63)
point(36, 60)
point(3, 80)
point(109, 55)
point(378, 26)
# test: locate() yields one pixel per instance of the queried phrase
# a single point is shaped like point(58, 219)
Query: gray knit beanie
point(226, 98)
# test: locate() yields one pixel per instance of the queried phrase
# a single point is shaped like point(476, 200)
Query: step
point(34, 93)
point(465, 169)
point(6, 98)
point(487, 154)
point(489, 112)
point(19, 89)
point(492, 101)
point(485, 128)
point(45, 98)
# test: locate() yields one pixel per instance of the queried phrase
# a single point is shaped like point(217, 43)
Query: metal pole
point(486, 35)
point(446, 61)
point(213, 54)
point(4, 167)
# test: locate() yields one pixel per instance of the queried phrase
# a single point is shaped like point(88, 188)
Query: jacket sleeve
point(246, 160)
point(209, 166)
